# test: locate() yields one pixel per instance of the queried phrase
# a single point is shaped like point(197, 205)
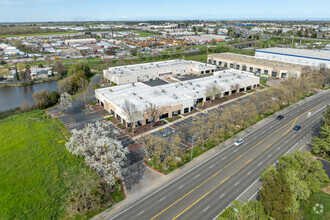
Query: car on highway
point(297, 127)
point(280, 117)
point(239, 142)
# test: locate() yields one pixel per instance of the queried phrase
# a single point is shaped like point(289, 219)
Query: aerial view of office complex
point(146, 109)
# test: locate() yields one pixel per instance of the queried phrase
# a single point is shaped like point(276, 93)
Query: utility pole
point(292, 41)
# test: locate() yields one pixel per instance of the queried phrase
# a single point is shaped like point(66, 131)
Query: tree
point(212, 90)
point(308, 169)
point(200, 129)
point(213, 42)
point(35, 58)
point(276, 194)
point(133, 52)
point(111, 51)
point(41, 99)
point(153, 112)
point(83, 53)
point(101, 151)
point(248, 210)
point(131, 112)
point(54, 97)
point(59, 68)
point(80, 67)
point(65, 102)
point(4, 72)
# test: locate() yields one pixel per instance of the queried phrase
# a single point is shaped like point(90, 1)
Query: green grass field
point(323, 207)
point(33, 163)
point(37, 34)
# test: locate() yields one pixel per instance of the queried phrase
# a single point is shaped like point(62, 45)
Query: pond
point(12, 97)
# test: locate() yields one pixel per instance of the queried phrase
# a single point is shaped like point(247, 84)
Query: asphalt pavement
point(208, 188)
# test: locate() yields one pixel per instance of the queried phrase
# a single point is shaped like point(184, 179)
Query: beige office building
point(259, 66)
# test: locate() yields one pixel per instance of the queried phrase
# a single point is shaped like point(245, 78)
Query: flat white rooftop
point(303, 53)
point(173, 94)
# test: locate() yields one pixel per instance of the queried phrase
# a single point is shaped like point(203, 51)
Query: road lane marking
point(255, 138)
point(278, 148)
point(215, 174)
point(259, 163)
point(197, 175)
point(222, 195)
point(223, 158)
point(269, 155)
point(181, 186)
point(211, 166)
point(162, 199)
point(236, 183)
point(140, 213)
point(205, 209)
point(286, 142)
point(302, 147)
point(248, 173)
point(235, 150)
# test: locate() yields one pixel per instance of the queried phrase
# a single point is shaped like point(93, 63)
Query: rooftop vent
point(133, 93)
point(163, 91)
point(198, 85)
point(133, 84)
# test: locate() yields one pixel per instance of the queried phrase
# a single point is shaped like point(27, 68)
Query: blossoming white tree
point(65, 101)
point(103, 153)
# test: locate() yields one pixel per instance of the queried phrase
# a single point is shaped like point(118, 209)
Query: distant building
point(297, 56)
point(206, 38)
point(151, 71)
point(174, 98)
point(80, 41)
point(256, 65)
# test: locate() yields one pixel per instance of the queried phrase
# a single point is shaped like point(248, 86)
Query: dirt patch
point(326, 189)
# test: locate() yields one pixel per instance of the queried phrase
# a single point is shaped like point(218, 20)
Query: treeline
point(321, 142)
point(13, 30)
point(284, 188)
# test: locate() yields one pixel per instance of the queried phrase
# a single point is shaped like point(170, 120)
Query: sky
point(109, 10)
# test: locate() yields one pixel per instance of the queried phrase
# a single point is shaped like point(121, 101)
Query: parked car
point(280, 117)
point(239, 142)
point(297, 127)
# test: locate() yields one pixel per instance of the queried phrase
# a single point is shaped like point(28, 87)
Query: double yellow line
point(293, 120)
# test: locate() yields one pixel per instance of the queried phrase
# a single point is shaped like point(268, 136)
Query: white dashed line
point(269, 155)
point(278, 148)
point(259, 163)
point(197, 175)
point(236, 183)
point(140, 213)
point(254, 138)
point(180, 186)
point(162, 199)
point(235, 150)
point(223, 158)
point(248, 173)
point(205, 209)
point(302, 147)
point(211, 166)
point(222, 195)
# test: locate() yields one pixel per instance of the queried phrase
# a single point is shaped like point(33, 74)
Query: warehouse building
point(80, 41)
point(172, 99)
point(256, 65)
point(296, 56)
point(150, 71)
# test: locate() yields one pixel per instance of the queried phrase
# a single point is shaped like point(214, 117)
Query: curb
point(153, 168)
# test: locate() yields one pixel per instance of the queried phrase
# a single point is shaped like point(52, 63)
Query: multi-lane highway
point(204, 191)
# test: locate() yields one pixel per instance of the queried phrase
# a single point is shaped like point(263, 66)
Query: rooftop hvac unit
point(215, 81)
point(190, 83)
point(198, 85)
point(181, 84)
point(163, 91)
point(176, 86)
point(219, 76)
point(140, 97)
point(133, 84)
point(133, 93)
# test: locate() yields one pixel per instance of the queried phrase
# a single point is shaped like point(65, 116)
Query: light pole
point(192, 147)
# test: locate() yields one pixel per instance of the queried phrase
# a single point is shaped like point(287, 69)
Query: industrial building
point(257, 65)
point(150, 71)
point(296, 56)
point(172, 99)
point(80, 41)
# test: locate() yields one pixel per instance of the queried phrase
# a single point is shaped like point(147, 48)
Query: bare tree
point(41, 99)
point(59, 68)
point(25, 106)
point(83, 53)
point(131, 112)
point(212, 91)
point(153, 112)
